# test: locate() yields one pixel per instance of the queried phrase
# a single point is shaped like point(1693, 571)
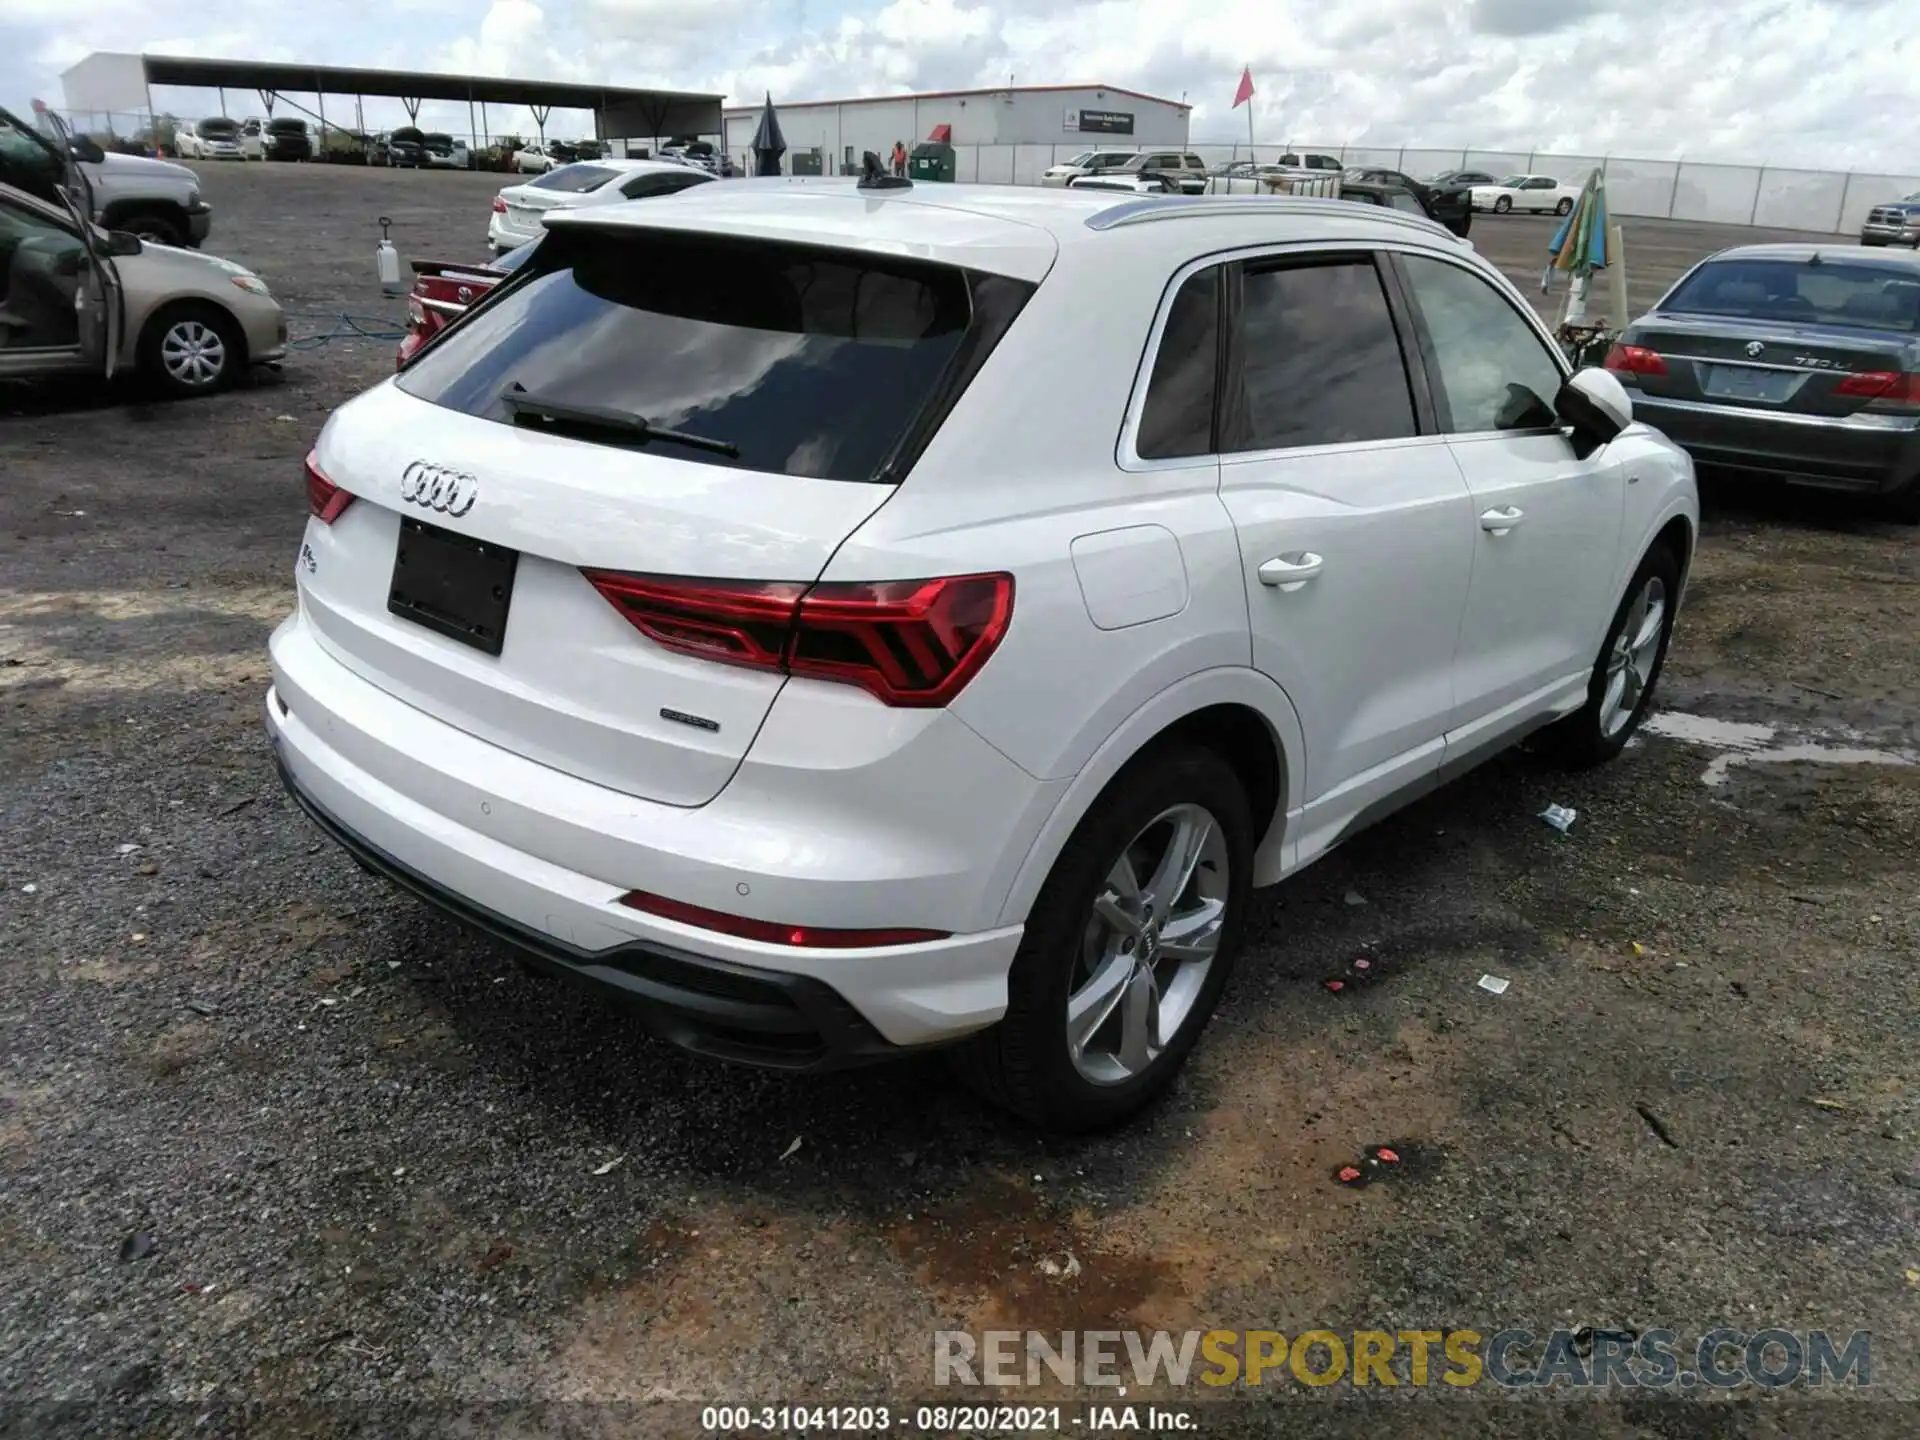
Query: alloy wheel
point(193, 353)
point(1636, 649)
point(1148, 945)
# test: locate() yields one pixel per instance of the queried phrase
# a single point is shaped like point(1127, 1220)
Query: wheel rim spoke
point(1196, 934)
point(1091, 1006)
point(1139, 1020)
point(1170, 878)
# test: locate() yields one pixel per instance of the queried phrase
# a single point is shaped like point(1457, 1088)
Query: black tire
point(153, 340)
point(1023, 1063)
point(1502, 204)
point(1582, 740)
point(1565, 207)
point(152, 226)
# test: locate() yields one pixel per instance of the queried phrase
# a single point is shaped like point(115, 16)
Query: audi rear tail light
point(913, 643)
point(499, 206)
point(772, 932)
point(1634, 360)
point(325, 500)
point(1882, 389)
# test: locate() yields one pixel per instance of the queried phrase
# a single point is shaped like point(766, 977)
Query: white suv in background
point(720, 612)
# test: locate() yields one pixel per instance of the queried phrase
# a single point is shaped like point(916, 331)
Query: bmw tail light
point(912, 643)
point(325, 500)
point(1882, 389)
point(1634, 360)
point(772, 932)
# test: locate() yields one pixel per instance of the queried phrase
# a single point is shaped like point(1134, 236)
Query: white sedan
point(520, 211)
point(533, 160)
point(1526, 192)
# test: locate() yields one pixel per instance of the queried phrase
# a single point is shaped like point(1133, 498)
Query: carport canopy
point(107, 82)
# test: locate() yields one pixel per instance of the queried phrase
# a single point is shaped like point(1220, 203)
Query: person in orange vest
point(899, 157)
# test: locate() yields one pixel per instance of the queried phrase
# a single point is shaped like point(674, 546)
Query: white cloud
point(1819, 83)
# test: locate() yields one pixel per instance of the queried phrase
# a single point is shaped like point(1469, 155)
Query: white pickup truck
point(154, 199)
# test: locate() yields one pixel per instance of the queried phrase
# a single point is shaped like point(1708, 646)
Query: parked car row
point(220, 138)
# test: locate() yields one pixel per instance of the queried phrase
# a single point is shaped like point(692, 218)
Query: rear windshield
point(575, 179)
point(809, 362)
point(1865, 297)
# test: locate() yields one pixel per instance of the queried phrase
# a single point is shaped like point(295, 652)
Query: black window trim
point(1231, 263)
point(1429, 360)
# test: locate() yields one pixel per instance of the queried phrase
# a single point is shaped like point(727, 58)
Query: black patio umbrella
point(768, 143)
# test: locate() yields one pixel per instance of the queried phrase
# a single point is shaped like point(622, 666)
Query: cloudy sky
point(1817, 83)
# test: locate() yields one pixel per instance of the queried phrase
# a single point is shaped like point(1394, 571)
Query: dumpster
point(933, 158)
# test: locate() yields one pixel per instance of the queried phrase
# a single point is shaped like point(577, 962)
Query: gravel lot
point(374, 1162)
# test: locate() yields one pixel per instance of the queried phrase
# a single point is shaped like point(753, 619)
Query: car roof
point(1904, 262)
point(1008, 230)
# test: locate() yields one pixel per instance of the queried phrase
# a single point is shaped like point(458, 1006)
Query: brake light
point(499, 206)
point(908, 642)
point(325, 500)
point(1882, 387)
point(1635, 360)
point(769, 931)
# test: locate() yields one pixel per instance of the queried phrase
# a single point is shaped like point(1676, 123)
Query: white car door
point(1355, 527)
point(1546, 521)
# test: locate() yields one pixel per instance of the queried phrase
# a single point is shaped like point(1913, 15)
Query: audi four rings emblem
point(435, 487)
point(1754, 347)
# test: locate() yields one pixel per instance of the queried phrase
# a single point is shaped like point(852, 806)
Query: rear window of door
point(1316, 358)
point(811, 362)
point(1491, 370)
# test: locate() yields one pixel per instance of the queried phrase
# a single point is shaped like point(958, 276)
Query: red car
point(442, 292)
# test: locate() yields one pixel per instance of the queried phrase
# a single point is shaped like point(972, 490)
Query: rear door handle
point(1290, 572)
point(1501, 519)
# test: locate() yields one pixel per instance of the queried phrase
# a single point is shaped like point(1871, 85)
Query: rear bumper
point(710, 1007)
point(502, 236)
point(1866, 454)
point(542, 858)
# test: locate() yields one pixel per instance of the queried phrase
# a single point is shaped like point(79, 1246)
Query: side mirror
point(1595, 404)
point(85, 148)
point(122, 242)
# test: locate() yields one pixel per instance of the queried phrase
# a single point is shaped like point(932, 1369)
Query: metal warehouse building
point(828, 136)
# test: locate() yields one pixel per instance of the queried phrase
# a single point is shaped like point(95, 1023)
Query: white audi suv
point(721, 611)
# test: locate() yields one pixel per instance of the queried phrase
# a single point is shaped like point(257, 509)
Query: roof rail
point(1173, 207)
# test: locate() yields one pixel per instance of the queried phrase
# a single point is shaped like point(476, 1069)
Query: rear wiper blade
point(527, 405)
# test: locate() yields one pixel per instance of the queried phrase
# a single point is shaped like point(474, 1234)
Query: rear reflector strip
point(769, 932)
point(325, 500)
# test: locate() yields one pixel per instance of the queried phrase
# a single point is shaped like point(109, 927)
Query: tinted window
point(574, 179)
point(1831, 293)
point(1177, 418)
point(811, 362)
point(1494, 371)
point(641, 187)
point(1319, 362)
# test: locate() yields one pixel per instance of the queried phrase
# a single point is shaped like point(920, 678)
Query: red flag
point(1245, 92)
